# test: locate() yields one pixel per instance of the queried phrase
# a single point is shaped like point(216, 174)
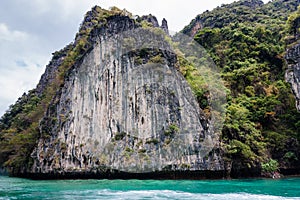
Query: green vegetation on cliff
point(19, 126)
point(247, 40)
point(22, 125)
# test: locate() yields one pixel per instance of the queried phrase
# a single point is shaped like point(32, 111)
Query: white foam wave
point(169, 194)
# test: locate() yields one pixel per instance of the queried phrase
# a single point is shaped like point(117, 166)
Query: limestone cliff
point(293, 56)
point(293, 71)
point(123, 106)
point(126, 100)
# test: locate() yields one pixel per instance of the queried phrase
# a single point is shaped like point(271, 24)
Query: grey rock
point(164, 26)
point(51, 70)
point(151, 19)
point(293, 72)
point(117, 110)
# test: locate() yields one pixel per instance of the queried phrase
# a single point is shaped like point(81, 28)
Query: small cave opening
point(142, 120)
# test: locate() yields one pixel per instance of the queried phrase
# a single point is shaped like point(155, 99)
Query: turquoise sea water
point(17, 188)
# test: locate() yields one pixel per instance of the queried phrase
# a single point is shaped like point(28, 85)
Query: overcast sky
point(30, 30)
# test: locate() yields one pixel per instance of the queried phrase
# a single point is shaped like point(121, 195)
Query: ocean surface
point(17, 188)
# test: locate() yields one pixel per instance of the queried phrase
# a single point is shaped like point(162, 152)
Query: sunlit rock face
point(293, 71)
point(124, 109)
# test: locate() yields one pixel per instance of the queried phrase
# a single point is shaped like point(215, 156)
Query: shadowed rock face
point(293, 71)
point(164, 26)
point(119, 111)
point(150, 19)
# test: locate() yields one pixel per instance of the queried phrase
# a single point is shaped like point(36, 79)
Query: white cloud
point(14, 83)
point(19, 64)
point(10, 35)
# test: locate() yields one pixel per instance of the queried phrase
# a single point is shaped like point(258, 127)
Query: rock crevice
point(126, 109)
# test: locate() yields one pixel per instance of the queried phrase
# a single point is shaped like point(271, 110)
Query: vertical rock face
point(117, 110)
point(293, 60)
point(293, 71)
point(51, 69)
point(164, 26)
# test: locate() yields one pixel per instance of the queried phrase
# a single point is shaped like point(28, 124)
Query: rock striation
point(123, 108)
point(164, 26)
point(293, 71)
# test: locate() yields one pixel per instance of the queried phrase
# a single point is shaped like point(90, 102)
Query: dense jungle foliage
point(248, 40)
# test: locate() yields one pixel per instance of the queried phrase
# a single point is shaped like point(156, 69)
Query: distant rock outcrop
point(164, 26)
point(150, 19)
